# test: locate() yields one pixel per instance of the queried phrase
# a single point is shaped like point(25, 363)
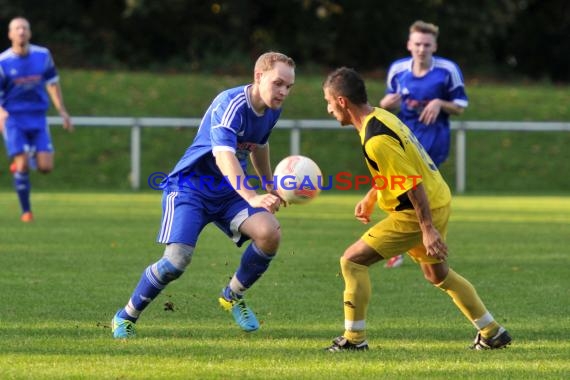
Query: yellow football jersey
point(398, 163)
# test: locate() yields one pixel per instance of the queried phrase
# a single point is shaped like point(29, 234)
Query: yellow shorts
point(400, 232)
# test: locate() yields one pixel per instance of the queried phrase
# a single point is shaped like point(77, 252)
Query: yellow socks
point(357, 293)
point(465, 297)
point(356, 298)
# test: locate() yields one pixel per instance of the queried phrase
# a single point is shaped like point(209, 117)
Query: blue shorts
point(19, 140)
point(186, 213)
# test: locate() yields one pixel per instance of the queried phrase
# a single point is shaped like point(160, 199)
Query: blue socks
point(228, 294)
point(22, 186)
point(147, 289)
point(150, 285)
point(253, 264)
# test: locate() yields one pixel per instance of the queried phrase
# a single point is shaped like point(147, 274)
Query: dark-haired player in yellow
point(417, 201)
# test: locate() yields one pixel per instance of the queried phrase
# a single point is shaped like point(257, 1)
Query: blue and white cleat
point(242, 314)
point(122, 328)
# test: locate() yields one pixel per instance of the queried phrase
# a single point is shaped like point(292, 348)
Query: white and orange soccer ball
point(297, 179)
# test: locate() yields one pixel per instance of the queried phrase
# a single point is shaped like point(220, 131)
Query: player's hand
point(268, 186)
point(283, 202)
point(363, 211)
point(270, 202)
point(67, 125)
point(435, 246)
point(430, 112)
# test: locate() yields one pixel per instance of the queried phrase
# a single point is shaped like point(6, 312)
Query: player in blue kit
point(427, 89)
point(26, 72)
point(209, 185)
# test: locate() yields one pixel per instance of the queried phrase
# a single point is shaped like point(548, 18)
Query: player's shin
point(467, 300)
point(254, 262)
point(147, 289)
point(356, 298)
point(156, 277)
point(23, 187)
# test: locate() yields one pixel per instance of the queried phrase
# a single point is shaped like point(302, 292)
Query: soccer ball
point(297, 179)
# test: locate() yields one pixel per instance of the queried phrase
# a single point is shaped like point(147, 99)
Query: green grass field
point(65, 275)
point(116, 93)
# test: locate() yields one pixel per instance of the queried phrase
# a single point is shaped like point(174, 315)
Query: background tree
point(490, 37)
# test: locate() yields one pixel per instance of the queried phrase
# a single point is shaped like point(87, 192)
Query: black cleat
point(342, 344)
point(501, 340)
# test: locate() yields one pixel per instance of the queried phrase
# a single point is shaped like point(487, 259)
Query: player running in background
point(26, 72)
point(426, 89)
point(236, 126)
point(418, 213)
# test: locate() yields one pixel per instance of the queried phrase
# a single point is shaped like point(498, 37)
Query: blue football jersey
point(443, 81)
point(23, 80)
point(229, 124)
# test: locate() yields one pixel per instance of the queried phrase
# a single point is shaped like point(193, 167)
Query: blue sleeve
point(2, 84)
point(392, 81)
point(456, 87)
point(226, 122)
point(459, 96)
point(50, 73)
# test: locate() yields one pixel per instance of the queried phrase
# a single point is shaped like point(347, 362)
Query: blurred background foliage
point(488, 38)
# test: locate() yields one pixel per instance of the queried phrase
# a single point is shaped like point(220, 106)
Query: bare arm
point(3, 117)
point(391, 102)
point(260, 159)
point(432, 240)
point(54, 91)
point(435, 106)
point(261, 164)
point(451, 107)
point(231, 169)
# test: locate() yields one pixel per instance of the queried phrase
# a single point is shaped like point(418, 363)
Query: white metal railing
point(296, 126)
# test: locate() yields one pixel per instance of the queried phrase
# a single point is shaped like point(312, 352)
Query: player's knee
point(434, 276)
point(166, 271)
point(45, 169)
point(272, 232)
point(351, 253)
point(431, 278)
point(174, 261)
point(180, 255)
point(268, 240)
point(275, 235)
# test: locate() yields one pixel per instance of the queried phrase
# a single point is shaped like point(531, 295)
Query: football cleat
point(394, 262)
point(27, 217)
point(342, 344)
point(122, 328)
point(242, 314)
point(501, 340)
